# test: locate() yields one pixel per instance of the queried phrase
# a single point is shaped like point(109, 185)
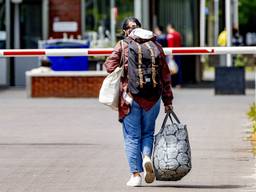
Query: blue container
point(68, 63)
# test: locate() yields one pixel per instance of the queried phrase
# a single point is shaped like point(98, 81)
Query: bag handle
point(164, 122)
point(174, 116)
point(170, 115)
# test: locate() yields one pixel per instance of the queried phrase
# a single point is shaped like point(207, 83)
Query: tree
point(246, 11)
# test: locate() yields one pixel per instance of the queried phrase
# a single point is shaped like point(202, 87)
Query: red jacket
point(174, 39)
point(113, 61)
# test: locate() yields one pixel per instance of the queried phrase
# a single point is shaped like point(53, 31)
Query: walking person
point(174, 40)
point(160, 35)
point(146, 79)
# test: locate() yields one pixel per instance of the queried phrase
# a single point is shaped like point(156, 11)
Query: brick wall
point(64, 10)
point(66, 86)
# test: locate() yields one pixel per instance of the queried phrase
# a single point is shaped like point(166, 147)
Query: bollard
point(229, 81)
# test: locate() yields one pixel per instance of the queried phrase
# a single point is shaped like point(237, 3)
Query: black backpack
point(144, 68)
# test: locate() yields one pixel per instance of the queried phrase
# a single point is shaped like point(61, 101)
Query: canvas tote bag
point(172, 153)
point(109, 91)
point(173, 67)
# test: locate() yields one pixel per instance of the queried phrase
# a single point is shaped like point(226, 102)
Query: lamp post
point(229, 29)
point(202, 23)
point(16, 23)
point(216, 23)
point(113, 22)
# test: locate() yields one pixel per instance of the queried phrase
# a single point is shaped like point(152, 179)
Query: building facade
point(24, 22)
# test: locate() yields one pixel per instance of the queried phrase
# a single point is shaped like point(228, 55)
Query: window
point(30, 27)
point(97, 15)
point(182, 15)
point(123, 12)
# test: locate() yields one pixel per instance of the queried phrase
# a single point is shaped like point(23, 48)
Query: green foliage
point(252, 112)
point(240, 61)
point(246, 10)
point(252, 116)
point(254, 127)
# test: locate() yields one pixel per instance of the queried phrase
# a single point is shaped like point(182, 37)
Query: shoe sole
point(150, 175)
point(138, 185)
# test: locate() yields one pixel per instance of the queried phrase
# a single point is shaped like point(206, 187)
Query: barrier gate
point(108, 51)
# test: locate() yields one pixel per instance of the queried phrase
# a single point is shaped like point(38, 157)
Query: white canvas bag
point(109, 91)
point(173, 67)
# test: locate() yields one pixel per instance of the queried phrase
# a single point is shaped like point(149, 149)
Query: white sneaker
point(134, 181)
point(149, 174)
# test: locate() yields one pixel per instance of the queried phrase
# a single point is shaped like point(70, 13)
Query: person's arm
point(167, 95)
point(113, 60)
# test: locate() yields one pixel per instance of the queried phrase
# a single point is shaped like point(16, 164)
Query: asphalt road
point(75, 145)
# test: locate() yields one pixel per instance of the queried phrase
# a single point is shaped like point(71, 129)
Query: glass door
point(30, 23)
point(26, 31)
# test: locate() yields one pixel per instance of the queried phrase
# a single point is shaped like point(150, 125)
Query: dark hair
point(171, 25)
point(160, 28)
point(130, 19)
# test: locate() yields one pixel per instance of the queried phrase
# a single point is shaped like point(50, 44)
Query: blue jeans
point(138, 130)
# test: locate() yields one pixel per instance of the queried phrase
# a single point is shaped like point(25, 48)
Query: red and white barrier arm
point(108, 51)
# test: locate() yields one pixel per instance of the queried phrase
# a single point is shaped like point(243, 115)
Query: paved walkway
point(75, 145)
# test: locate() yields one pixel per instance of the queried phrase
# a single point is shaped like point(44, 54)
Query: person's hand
point(168, 108)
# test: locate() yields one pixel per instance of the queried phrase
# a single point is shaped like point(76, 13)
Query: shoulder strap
point(140, 71)
point(159, 47)
point(122, 53)
point(128, 40)
point(152, 54)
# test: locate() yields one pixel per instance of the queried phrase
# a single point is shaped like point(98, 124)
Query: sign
point(2, 35)
point(65, 26)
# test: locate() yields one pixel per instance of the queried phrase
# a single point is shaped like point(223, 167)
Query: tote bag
point(173, 67)
point(109, 91)
point(172, 153)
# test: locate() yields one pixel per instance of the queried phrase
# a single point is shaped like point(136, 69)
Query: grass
point(252, 116)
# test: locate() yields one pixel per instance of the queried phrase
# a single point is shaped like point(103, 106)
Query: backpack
point(143, 67)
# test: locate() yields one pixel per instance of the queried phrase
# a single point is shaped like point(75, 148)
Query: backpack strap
point(153, 60)
point(122, 53)
point(141, 82)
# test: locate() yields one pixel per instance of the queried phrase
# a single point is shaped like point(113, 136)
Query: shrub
point(252, 116)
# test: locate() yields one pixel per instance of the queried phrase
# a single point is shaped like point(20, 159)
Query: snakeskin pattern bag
point(172, 153)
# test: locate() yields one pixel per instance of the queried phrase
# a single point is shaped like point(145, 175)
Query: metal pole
point(138, 9)
point(83, 17)
point(236, 22)
point(45, 14)
point(16, 26)
point(202, 23)
point(113, 22)
point(145, 14)
point(216, 24)
point(8, 23)
point(228, 29)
